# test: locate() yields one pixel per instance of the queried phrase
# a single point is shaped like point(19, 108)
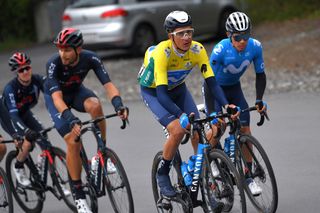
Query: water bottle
point(94, 165)
point(191, 164)
point(232, 148)
point(186, 175)
point(227, 146)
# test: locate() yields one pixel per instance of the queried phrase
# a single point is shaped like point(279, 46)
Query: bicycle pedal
point(165, 204)
point(227, 192)
point(218, 208)
point(197, 203)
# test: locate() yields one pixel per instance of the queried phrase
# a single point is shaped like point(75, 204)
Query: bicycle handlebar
point(41, 134)
point(101, 118)
point(235, 123)
point(98, 119)
point(263, 115)
point(7, 141)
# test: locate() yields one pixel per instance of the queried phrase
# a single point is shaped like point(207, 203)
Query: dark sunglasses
point(240, 37)
point(24, 69)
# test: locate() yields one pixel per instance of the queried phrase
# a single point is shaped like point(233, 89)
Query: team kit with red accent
point(161, 80)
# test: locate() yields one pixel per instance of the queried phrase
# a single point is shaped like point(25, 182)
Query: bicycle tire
point(117, 185)
point(88, 189)
point(59, 176)
point(226, 187)
point(6, 201)
point(261, 177)
point(180, 203)
point(28, 194)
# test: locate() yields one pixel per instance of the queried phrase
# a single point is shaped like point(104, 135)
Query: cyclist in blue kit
point(229, 59)
point(16, 118)
point(64, 90)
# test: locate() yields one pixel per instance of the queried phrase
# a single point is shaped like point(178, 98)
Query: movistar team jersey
point(229, 65)
point(69, 79)
point(162, 66)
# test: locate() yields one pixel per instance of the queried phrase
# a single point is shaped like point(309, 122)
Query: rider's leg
point(176, 133)
point(93, 106)
point(23, 153)
point(73, 156)
point(73, 148)
point(87, 101)
point(246, 152)
point(3, 150)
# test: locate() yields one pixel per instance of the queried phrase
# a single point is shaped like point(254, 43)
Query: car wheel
point(143, 38)
point(222, 23)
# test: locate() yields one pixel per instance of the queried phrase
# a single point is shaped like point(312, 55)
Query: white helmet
point(238, 22)
point(177, 19)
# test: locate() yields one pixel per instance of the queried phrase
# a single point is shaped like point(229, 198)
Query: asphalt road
point(290, 139)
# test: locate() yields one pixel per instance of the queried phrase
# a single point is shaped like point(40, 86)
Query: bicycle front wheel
point(29, 198)
point(60, 178)
point(262, 173)
point(182, 202)
point(117, 184)
point(221, 183)
point(6, 202)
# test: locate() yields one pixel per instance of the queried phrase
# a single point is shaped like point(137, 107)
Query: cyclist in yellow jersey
point(163, 89)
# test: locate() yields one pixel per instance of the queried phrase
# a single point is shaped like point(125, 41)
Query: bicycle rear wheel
point(6, 202)
point(182, 202)
point(29, 198)
point(117, 184)
point(263, 175)
point(60, 179)
point(225, 187)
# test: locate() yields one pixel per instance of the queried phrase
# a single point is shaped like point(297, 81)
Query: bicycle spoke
point(117, 184)
point(262, 173)
point(6, 202)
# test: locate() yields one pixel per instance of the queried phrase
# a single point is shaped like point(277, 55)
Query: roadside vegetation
point(18, 26)
point(275, 10)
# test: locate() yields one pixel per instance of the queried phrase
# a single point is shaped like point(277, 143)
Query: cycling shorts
point(234, 96)
point(73, 100)
point(180, 95)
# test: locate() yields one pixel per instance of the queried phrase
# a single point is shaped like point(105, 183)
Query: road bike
point(100, 181)
point(31, 198)
point(214, 174)
point(6, 202)
point(261, 170)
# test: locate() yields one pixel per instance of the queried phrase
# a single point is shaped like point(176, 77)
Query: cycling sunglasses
point(24, 69)
point(184, 33)
point(240, 37)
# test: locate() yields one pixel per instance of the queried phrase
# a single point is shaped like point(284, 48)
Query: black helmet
point(238, 22)
point(18, 60)
point(69, 37)
point(177, 19)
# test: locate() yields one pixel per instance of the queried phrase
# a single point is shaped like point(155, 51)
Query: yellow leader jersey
point(162, 66)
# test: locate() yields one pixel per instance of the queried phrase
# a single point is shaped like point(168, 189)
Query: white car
point(138, 24)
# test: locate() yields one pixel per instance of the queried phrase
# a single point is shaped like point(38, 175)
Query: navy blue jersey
point(19, 99)
point(69, 79)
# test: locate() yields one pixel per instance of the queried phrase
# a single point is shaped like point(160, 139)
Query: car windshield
point(92, 3)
